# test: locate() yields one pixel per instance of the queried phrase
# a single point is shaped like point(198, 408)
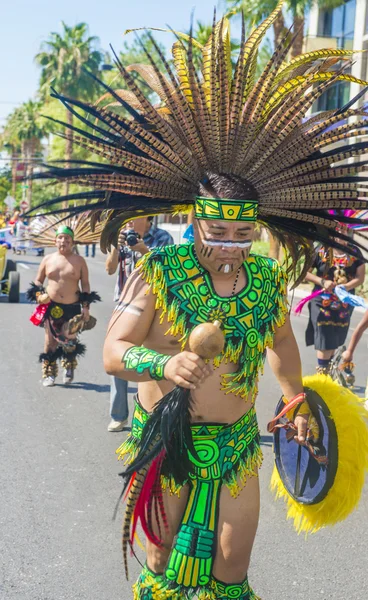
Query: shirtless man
point(224, 277)
point(62, 300)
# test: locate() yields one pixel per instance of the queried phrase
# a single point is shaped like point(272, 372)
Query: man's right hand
point(121, 239)
point(187, 370)
point(347, 356)
point(328, 285)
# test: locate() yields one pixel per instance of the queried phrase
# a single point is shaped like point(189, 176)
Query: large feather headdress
point(43, 229)
point(218, 132)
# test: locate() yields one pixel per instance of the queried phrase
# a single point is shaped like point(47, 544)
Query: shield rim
point(314, 400)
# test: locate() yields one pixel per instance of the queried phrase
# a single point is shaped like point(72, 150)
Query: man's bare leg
point(324, 359)
point(237, 527)
point(174, 509)
point(151, 583)
point(49, 358)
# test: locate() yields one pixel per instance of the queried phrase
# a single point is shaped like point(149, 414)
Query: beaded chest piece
point(185, 295)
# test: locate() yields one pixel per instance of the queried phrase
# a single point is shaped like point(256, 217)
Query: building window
point(335, 97)
point(364, 71)
point(339, 23)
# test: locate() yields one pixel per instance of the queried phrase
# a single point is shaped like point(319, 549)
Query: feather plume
point(214, 126)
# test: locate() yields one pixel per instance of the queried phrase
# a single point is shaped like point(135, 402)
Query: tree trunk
point(30, 162)
point(279, 28)
point(68, 148)
point(14, 159)
point(298, 28)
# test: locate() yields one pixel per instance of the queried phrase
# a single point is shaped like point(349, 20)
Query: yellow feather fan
point(350, 419)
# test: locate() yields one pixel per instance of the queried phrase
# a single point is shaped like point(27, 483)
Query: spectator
point(93, 251)
point(148, 236)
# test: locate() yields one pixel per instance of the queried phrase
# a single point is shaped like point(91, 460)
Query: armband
point(143, 360)
point(86, 298)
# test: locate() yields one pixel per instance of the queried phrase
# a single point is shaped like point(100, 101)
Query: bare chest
point(63, 269)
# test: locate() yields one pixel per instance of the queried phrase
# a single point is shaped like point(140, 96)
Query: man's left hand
point(140, 247)
point(85, 313)
point(301, 423)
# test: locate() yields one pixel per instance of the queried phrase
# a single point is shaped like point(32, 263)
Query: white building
point(342, 27)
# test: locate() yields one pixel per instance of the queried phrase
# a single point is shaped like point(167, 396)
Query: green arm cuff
point(143, 360)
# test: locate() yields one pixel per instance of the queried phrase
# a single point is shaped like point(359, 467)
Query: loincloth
point(227, 454)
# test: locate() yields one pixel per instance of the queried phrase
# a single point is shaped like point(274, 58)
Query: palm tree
point(10, 142)
point(25, 129)
point(256, 11)
point(62, 59)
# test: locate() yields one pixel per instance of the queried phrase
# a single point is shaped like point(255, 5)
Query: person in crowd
point(329, 318)
point(137, 238)
point(348, 355)
point(63, 308)
point(93, 250)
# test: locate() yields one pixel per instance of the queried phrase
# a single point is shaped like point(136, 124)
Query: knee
point(157, 558)
point(232, 560)
point(234, 567)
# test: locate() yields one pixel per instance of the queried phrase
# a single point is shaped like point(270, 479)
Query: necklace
point(236, 282)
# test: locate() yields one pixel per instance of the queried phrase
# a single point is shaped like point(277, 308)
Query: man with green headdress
point(202, 540)
point(66, 298)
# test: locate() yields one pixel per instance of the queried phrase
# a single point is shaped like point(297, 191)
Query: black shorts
point(61, 313)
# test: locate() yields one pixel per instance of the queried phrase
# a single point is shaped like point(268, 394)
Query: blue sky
point(25, 24)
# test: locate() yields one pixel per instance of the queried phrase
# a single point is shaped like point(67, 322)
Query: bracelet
point(298, 399)
point(322, 283)
point(287, 410)
point(142, 359)
point(34, 291)
point(86, 298)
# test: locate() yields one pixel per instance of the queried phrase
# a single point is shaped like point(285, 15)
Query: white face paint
point(226, 268)
point(215, 243)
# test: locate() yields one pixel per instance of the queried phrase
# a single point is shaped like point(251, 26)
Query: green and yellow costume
point(228, 455)
point(225, 454)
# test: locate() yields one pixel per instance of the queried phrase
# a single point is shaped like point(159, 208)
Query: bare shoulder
point(136, 288)
point(78, 260)
point(46, 260)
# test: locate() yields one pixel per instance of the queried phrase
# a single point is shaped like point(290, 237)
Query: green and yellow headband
point(225, 209)
point(64, 229)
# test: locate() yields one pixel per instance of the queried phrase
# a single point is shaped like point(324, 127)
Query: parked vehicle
point(9, 277)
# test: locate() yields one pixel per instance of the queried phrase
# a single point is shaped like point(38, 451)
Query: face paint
point(226, 244)
point(226, 268)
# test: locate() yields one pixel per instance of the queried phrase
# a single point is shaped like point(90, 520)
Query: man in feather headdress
point(63, 308)
point(236, 151)
point(220, 280)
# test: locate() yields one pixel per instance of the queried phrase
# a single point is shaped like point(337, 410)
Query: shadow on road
point(358, 389)
point(95, 387)
point(266, 440)
point(22, 300)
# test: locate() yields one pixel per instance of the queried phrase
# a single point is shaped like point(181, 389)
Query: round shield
point(305, 479)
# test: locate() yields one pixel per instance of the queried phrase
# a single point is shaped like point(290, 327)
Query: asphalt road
point(59, 484)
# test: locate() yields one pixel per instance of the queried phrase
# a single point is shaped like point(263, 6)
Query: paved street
point(59, 483)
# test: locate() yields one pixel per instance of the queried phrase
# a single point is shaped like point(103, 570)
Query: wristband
point(86, 298)
point(143, 360)
point(298, 402)
point(34, 291)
